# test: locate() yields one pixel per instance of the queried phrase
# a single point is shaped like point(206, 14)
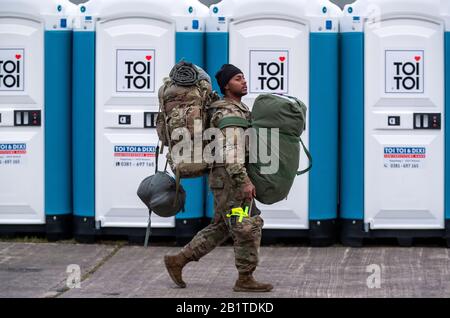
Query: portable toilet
point(122, 52)
point(289, 47)
point(35, 117)
point(395, 95)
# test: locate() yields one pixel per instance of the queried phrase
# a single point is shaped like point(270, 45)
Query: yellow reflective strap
point(239, 212)
point(244, 214)
point(235, 212)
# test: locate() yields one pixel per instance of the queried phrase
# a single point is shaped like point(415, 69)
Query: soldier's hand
point(248, 190)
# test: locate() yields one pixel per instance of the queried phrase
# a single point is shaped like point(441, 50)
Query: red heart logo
point(148, 57)
point(417, 58)
point(18, 56)
point(282, 58)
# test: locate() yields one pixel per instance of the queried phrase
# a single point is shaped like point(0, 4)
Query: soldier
point(232, 190)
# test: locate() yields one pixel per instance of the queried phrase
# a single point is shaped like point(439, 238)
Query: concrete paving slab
point(40, 270)
point(295, 272)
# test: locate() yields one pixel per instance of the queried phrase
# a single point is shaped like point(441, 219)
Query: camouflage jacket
point(229, 108)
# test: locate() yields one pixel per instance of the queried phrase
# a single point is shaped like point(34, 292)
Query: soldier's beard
point(236, 95)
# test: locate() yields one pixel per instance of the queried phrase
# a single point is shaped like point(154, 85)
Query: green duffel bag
point(288, 114)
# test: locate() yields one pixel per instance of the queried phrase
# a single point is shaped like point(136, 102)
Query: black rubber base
point(86, 232)
point(12, 231)
point(84, 229)
point(59, 227)
point(186, 229)
point(323, 233)
point(56, 227)
point(353, 234)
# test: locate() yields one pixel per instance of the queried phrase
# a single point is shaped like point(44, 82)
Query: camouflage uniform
point(225, 182)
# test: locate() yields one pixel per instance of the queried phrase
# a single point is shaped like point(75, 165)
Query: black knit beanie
point(225, 74)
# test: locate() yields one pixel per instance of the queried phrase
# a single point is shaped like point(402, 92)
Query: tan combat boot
point(174, 265)
point(246, 283)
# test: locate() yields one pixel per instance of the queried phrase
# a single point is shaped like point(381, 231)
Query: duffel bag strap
point(156, 158)
point(308, 154)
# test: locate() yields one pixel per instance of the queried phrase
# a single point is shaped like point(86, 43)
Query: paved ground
point(119, 270)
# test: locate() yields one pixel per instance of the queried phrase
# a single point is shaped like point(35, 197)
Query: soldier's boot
point(246, 283)
point(174, 265)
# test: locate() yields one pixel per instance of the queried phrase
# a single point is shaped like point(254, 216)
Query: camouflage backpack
point(183, 99)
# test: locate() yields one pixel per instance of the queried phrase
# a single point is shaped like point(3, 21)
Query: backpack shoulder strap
point(163, 89)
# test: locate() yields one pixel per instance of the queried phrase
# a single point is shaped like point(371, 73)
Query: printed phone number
point(10, 162)
point(404, 166)
point(135, 164)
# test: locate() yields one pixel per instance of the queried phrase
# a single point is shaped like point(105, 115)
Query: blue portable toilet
point(395, 90)
point(289, 47)
point(122, 52)
point(35, 117)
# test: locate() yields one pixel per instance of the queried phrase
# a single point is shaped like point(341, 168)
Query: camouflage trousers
point(246, 234)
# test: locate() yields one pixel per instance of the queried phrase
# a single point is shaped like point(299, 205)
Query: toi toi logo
point(269, 72)
point(11, 69)
point(135, 69)
point(405, 71)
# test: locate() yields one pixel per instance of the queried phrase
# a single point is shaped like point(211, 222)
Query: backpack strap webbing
point(233, 121)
